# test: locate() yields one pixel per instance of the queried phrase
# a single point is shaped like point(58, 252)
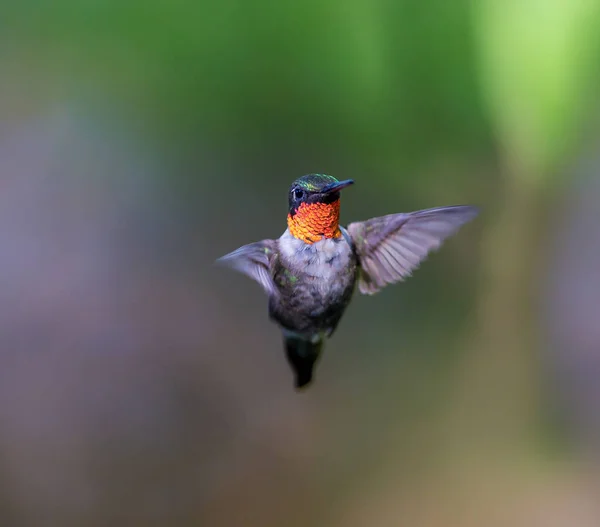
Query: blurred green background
point(142, 386)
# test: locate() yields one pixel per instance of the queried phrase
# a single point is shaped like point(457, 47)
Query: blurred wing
point(391, 247)
point(253, 260)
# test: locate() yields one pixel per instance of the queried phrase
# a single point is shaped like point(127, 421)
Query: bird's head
point(314, 207)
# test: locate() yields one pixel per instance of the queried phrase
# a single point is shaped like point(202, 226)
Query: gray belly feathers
point(316, 282)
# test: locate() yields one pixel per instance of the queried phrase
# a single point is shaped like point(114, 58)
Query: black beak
point(336, 187)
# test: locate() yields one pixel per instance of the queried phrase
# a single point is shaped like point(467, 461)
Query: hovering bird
point(309, 273)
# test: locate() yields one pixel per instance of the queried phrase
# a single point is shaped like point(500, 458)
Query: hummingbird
point(310, 272)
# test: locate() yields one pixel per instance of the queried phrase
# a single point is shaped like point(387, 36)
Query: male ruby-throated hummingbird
point(309, 273)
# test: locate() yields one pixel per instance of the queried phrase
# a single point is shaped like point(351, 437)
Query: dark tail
point(302, 356)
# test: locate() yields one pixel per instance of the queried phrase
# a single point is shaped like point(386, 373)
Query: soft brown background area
point(140, 385)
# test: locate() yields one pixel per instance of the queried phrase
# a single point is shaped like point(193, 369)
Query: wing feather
point(254, 260)
point(391, 247)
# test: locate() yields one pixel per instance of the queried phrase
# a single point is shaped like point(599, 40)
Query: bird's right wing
point(253, 260)
point(390, 247)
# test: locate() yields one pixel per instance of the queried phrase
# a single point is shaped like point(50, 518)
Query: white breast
point(322, 259)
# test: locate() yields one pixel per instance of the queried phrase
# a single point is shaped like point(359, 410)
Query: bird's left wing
point(253, 260)
point(390, 247)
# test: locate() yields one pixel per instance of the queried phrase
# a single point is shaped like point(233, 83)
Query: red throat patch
point(315, 221)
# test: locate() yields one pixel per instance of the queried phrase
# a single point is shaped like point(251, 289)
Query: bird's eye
point(298, 193)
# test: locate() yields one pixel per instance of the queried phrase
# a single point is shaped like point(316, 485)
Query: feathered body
point(309, 273)
point(315, 283)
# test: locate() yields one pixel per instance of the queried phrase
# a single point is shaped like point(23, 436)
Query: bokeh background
point(142, 386)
